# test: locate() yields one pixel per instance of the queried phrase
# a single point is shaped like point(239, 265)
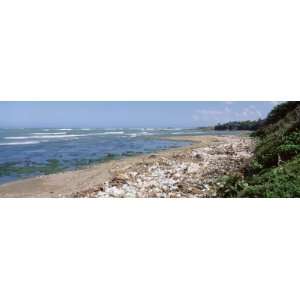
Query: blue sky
point(128, 113)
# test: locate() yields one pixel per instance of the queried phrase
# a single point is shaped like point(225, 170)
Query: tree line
point(240, 125)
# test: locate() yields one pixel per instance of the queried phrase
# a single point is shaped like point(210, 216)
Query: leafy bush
point(273, 149)
point(288, 151)
point(277, 182)
point(275, 169)
point(283, 118)
point(283, 181)
point(292, 138)
point(280, 111)
point(230, 186)
point(254, 167)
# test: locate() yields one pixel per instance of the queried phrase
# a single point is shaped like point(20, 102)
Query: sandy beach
point(182, 172)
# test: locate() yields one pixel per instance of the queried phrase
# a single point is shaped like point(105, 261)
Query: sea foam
point(19, 143)
point(49, 133)
point(111, 132)
point(41, 137)
point(58, 136)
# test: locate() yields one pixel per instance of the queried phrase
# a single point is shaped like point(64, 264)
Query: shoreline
point(84, 182)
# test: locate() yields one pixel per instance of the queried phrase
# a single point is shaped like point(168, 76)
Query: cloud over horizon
point(229, 112)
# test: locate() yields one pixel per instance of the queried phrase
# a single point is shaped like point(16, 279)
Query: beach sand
point(89, 181)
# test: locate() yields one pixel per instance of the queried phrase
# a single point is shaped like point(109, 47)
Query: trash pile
point(187, 173)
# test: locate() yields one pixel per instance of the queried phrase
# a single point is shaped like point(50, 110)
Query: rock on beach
point(187, 173)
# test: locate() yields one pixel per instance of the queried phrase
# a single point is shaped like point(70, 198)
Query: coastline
point(89, 181)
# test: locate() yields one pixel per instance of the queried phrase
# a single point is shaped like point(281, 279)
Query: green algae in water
point(53, 166)
point(14, 168)
point(86, 162)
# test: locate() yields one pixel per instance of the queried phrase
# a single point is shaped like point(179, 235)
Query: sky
point(83, 114)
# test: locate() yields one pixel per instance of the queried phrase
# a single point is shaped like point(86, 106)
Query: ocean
point(31, 152)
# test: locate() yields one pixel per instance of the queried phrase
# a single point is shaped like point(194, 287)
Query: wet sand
point(70, 183)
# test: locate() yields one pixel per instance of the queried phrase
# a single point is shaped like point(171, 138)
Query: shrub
point(275, 169)
point(283, 181)
point(230, 186)
point(280, 111)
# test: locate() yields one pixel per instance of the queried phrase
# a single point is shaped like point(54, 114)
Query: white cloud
point(251, 112)
point(276, 102)
point(213, 116)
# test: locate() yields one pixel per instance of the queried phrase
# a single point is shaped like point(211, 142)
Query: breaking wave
point(111, 132)
point(20, 143)
point(58, 135)
point(41, 137)
point(50, 133)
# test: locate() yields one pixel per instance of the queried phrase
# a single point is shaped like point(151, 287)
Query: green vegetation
point(280, 111)
point(52, 166)
point(275, 168)
point(240, 125)
point(83, 162)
